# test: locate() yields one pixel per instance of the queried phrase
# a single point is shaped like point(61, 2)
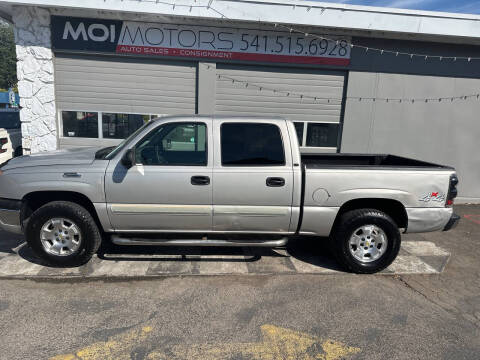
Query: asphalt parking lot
point(291, 303)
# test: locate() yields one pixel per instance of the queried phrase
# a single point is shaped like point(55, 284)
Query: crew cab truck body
point(233, 181)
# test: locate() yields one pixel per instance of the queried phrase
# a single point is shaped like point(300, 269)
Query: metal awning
point(408, 24)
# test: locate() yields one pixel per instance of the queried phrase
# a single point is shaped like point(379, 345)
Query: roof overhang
point(406, 24)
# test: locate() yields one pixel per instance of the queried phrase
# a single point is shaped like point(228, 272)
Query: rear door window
point(251, 144)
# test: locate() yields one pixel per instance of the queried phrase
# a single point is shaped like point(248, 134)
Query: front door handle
point(200, 180)
point(275, 182)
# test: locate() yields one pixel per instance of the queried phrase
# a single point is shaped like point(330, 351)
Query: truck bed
point(320, 161)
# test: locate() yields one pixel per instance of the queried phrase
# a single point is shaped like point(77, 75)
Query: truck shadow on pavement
point(309, 251)
point(10, 243)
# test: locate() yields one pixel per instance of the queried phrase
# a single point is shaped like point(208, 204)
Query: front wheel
point(63, 234)
point(366, 241)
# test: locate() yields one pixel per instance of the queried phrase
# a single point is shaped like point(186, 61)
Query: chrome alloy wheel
point(368, 243)
point(60, 237)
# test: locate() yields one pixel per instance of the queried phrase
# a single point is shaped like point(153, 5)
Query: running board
point(119, 240)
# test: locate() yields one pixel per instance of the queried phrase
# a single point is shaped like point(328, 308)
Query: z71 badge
point(433, 196)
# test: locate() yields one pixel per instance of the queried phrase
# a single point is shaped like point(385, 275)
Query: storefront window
point(80, 124)
point(120, 126)
point(322, 135)
point(299, 128)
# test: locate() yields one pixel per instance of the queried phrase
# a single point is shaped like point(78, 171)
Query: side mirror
point(128, 159)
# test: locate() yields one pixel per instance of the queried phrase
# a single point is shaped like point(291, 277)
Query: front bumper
point(452, 223)
point(10, 215)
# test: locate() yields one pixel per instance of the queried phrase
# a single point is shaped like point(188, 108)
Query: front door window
point(174, 144)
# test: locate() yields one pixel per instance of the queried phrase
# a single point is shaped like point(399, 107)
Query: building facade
point(353, 79)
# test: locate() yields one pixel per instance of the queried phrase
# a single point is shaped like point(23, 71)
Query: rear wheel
point(63, 234)
point(366, 241)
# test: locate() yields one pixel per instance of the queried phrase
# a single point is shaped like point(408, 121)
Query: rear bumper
point(10, 215)
point(452, 223)
point(428, 219)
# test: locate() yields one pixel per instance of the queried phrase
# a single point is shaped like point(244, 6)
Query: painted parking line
point(13, 264)
point(473, 218)
point(411, 265)
point(416, 257)
point(119, 268)
point(222, 264)
point(275, 343)
point(423, 248)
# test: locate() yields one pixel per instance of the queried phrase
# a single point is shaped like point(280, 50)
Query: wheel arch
point(36, 199)
point(393, 208)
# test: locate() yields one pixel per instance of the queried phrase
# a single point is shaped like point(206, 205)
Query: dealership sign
point(153, 39)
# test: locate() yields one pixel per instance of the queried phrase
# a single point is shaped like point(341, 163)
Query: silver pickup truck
point(222, 181)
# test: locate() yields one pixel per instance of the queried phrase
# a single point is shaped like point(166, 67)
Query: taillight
point(452, 190)
point(3, 141)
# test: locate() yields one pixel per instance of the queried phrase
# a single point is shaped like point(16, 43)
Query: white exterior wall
point(441, 132)
point(35, 78)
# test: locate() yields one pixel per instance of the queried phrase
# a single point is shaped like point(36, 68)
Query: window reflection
point(80, 124)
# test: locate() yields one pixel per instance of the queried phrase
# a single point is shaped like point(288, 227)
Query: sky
point(461, 6)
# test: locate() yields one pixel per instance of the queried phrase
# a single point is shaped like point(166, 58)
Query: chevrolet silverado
point(222, 181)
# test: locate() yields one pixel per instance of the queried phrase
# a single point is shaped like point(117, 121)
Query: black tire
point(90, 235)
point(351, 221)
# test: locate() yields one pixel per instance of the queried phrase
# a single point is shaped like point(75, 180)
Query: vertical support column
point(206, 87)
point(35, 78)
point(358, 116)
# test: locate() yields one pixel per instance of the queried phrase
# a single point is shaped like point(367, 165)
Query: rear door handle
point(275, 182)
point(200, 180)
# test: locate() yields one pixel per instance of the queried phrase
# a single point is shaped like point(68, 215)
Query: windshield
point(125, 142)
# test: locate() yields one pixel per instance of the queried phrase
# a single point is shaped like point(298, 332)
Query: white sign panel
point(192, 41)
